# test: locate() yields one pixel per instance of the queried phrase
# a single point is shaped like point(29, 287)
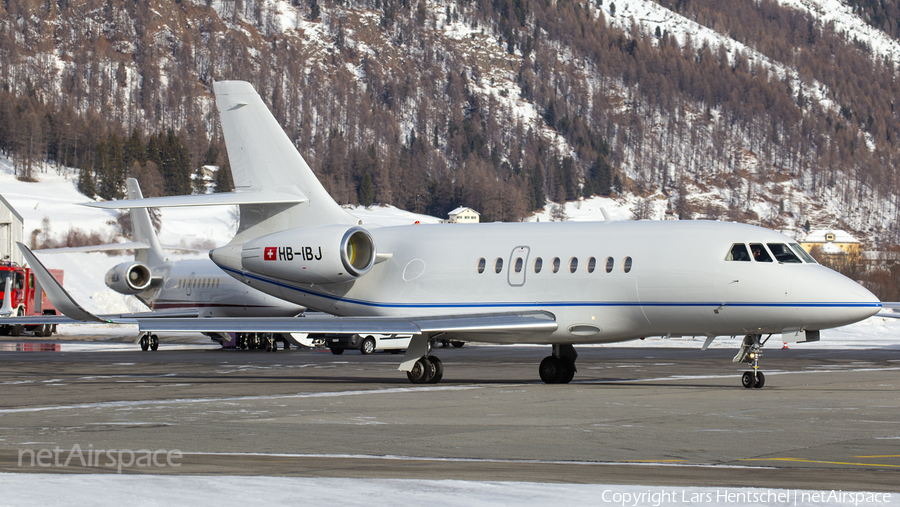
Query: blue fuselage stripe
point(546, 304)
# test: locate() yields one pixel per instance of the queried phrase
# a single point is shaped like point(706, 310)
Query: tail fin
point(142, 229)
point(263, 158)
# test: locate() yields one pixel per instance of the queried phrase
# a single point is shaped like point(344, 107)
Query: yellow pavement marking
point(801, 460)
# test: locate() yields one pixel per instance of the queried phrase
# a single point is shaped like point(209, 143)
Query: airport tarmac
point(826, 419)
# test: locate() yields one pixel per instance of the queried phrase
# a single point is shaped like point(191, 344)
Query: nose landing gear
point(750, 353)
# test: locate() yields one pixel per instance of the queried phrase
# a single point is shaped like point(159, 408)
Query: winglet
point(6, 309)
point(606, 216)
point(57, 295)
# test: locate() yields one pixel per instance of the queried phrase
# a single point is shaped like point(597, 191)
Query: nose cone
point(828, 299)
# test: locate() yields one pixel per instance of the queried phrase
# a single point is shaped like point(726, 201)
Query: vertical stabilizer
point(142, 230)
point(262, 157)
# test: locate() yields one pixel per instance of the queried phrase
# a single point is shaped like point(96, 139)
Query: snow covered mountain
point(778, 113)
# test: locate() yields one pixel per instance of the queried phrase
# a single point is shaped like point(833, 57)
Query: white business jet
point(560, 284)
point(188, 288)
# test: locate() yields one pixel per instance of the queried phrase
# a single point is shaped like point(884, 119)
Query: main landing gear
point(427, 370)
point(418, 363)
point(559, 368)
point(259, 341)
point(149, 341)
point(750, 353)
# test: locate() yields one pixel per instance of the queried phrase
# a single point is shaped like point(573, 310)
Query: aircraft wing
point(888, 315)
point(536, 322)
point(72, 311)
point(105, 318)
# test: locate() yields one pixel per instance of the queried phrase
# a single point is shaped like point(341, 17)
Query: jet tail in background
point(142, 230)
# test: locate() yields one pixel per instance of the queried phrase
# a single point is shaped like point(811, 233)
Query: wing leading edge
point(525, 322)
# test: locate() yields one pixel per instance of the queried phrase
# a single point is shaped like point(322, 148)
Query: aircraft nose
point(830, 299)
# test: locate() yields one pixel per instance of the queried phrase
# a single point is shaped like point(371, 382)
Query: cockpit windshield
point(759, 252)
point(738, 252)
point(782, 253)
point(803, 253)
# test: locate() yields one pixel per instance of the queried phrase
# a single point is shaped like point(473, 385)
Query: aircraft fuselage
point(604, 281)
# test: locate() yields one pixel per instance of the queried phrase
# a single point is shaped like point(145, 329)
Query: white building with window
point(12, 229)
point(463, 215)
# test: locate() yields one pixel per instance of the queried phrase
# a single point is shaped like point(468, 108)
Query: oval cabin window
point(481, 265)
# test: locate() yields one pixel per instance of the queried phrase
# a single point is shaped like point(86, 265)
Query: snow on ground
point(241, 491)
point(56, 197)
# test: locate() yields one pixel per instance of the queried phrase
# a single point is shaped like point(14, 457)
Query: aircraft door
point(518, 259)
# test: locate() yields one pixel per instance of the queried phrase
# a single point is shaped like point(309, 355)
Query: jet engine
point(129, 278)
point(326, 254)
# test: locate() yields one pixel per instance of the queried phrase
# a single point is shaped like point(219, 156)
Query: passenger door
point(518, 260)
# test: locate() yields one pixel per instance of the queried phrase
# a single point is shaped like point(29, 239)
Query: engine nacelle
point(327, 254)
point(129, 278)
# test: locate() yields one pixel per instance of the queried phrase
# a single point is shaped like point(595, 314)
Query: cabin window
point(803, 253)
point(591, 265)
point(573, 264)
point(759, 252)
point(498, 265)
point(519, 264)
point(538, 264)
point(554, 266)
point(610, 262)
point(481, 264)
point(738, 252)
point(626, 265)
point(783, 254)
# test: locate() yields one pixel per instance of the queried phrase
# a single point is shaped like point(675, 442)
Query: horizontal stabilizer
point(888, 315)
point(222, 199)
point(131, 245)
point(503, 322)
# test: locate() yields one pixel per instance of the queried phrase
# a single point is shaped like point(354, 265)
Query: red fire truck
point(27, 299)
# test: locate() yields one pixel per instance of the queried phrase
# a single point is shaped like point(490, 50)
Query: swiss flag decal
point(271, 253)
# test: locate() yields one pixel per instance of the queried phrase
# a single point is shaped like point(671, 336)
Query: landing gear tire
point(145, 343)
point(337, 351)
point(457, 344)
point(437, 370)
point(421, 372)
point(154, 342)
point(569, 373)
point(552, 370)
point(747, 379)
point(368, 346)
point(760, 380)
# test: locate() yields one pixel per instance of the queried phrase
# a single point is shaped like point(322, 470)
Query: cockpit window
point(759, 252)
point(738, 252)
point(782, 253)
point(803, 253)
